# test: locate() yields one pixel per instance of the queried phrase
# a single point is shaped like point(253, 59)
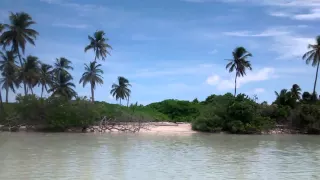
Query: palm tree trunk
point(1, 104)
point(42, 90)
point(31, 90)
point(120, 101)
point(315, 81)
point(24, 84)
point(92, 94)
point(7, 94)
point(128, 101)
point(235, 86)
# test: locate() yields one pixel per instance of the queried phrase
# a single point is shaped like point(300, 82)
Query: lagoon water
point(148, 156)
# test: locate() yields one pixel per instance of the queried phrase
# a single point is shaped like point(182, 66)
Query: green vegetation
point(64, 109)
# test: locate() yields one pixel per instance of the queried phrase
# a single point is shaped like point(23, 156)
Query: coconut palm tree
point(99, 45)
point(62, 86)
point(313, 57)
point(296, 91)
point(1, 28)
point(45, 77)
point(306, 96)
point(29, 73)
point(8, 70)
point(93, 76)
point(62, 65)
point(239, 63)
point(18, 33)
point(121, 90)
point(1, 105)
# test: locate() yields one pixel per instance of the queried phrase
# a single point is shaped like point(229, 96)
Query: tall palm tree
point(93, 76)
point(45, 77)
point(306, 96)
point(19, 32)
point(8, 70)
point(99, 45)
point(239, 63)
point(296, 92)
point(1, 28)
point(29, 73)
point(1, 105)
point(121, 90)
point(62, 86)
point(62, 65)
point(313, 57)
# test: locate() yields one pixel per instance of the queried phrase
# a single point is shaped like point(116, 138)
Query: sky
point(177, 49)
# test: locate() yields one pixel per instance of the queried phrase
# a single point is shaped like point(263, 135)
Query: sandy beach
point(166, 127)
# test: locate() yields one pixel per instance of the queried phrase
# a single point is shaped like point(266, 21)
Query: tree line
point(29, 72)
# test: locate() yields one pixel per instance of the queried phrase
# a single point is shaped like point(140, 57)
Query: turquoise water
point(163, 157)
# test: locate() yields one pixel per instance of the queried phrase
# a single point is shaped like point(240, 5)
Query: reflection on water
point(163, 157)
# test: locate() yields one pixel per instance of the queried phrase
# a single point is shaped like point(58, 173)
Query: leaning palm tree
point(99, 45)
point(296, 91)
point(63, 87)
point(239, 63)
point(121, 90)
point(45, 77)
point(62, 65)
point(93, 76)
point(9, 71)
point(29, 73)
point(18, 33)
point(313, 57)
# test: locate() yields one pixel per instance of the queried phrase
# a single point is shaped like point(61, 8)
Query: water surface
point(158, 157)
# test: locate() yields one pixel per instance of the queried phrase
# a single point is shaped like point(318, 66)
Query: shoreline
point(150, 127)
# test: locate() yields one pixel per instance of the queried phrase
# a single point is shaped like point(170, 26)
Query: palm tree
point(99, 45)
point(45, 77)
point(1, 27)
point(296, 91)
point(62, 86)
point(93, 76)
point(62, 65)
point(306, 96)
point(1, 105)
point(29, 73)
point(19, 32)
point(313, 57)
point(239, 63)
point(121, 90)
point(285, 98)
point(9, 72)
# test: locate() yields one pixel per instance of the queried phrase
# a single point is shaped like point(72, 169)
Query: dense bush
point(239, 115)
point(177, 111)
point(59, 114)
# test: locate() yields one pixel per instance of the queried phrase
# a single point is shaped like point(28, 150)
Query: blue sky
point(176, 48)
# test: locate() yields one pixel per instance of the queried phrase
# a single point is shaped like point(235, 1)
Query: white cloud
point(189, 69)
point(76, 26)
point(213, 51)
point(314, 14)
point(279, 14)
point(110, 97)
point(258, 90)
point(270, 32)
point(291, 46)
point(223, 84)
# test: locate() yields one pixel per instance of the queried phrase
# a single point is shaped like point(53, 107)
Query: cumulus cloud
point(258, 90)
point(67, 25)
point(270, 32)
point(224, 84)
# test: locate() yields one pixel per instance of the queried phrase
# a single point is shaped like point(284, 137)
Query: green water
point(158, 157)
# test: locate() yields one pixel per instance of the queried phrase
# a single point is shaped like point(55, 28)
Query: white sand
point(168, 128)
